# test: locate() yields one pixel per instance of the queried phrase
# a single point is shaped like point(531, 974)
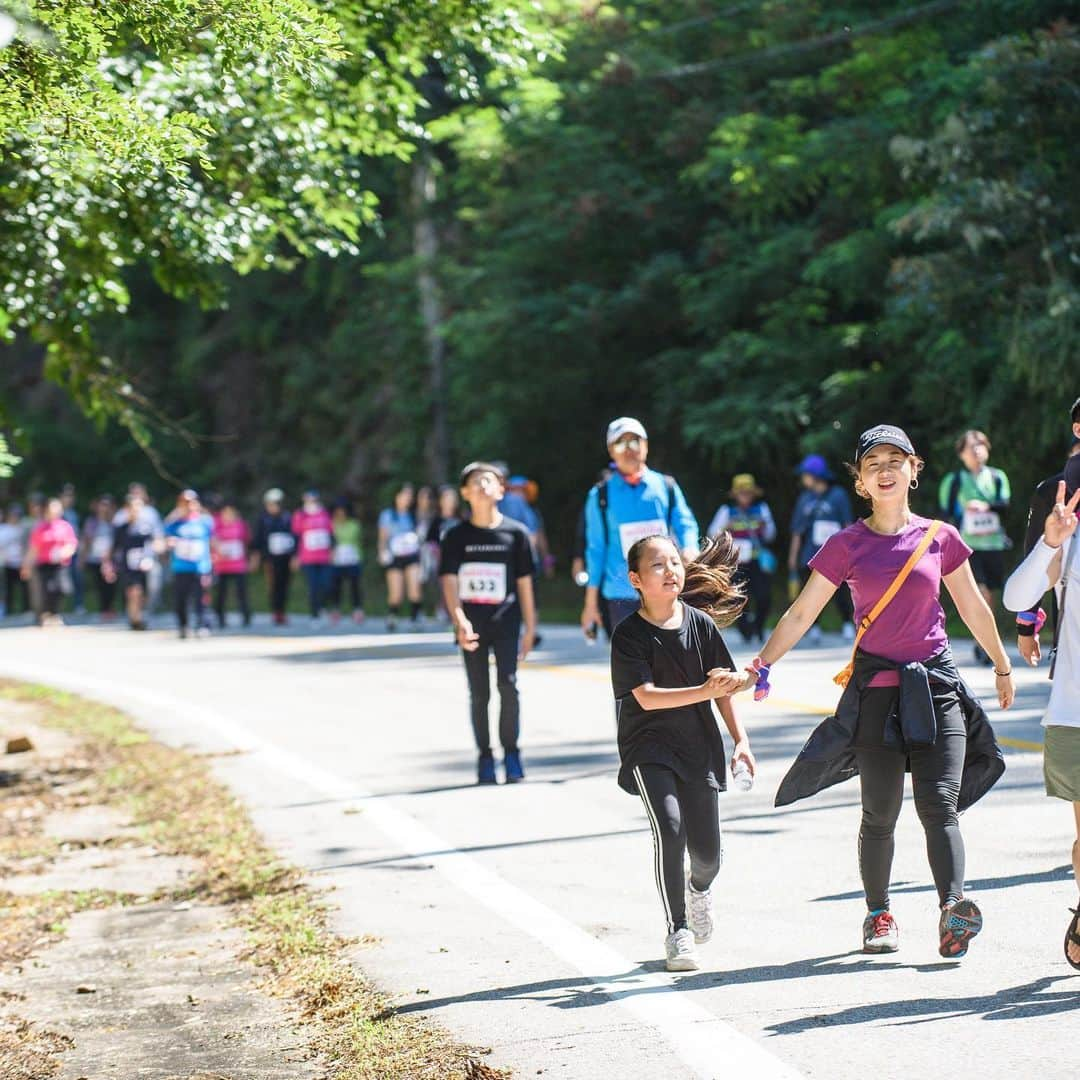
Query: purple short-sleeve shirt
point(912, 627)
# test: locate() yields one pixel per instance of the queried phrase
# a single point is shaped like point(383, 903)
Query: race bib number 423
point(482, 583)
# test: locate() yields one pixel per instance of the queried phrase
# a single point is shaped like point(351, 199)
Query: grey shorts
point(1061, 762)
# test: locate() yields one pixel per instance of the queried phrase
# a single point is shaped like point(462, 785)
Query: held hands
point(467, 637)
point(1061, 521)
point(722, 682)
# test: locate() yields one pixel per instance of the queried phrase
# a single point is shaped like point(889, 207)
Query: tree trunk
point(426, 250)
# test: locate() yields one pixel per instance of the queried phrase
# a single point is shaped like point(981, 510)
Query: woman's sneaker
point(485, 768)
point(512, 765)
point(880, 933)
point(959, 923)
point(699, 913)
point(681, 954)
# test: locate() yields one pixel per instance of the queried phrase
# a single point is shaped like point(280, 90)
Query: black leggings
point(280, 572)
point(935, 780)
point(684, 817)
point(500, 637)
point(14, 586)
point(347, 578)
point(223, 583)
point(759, 594)
point(50, 578)
point(188, 590)
point(106, 589)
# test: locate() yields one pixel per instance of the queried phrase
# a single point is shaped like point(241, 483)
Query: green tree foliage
point(760, 227)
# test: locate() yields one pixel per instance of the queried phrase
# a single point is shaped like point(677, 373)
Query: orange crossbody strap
point(844, 677)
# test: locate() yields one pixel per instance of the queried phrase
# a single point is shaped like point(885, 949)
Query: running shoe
point(485, 769)
point(880, 933)
point(699, 913)
point(959, 923)
point(512, 765)
point(391, 624)
point(681, 954)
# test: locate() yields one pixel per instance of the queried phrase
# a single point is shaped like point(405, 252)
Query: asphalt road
point(525, 918)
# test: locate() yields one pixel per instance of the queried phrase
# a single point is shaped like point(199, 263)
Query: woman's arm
point(979, 619)
point(798, 618)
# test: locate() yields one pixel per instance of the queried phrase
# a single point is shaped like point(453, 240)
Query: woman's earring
point(915, 484)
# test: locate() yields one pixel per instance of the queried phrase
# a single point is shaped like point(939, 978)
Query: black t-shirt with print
point(687, 739)
point(488, 563)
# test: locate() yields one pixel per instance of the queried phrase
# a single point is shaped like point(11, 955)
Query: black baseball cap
point(882, 434)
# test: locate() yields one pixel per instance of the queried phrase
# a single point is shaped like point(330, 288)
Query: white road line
point(708, 1045)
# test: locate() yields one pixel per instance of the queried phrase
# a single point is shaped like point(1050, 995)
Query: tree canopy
point(760, 227)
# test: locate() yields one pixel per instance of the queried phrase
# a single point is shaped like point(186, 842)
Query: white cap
point(625, 425)
point(274, 495)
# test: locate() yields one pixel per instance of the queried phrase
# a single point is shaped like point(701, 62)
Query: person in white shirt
point(1054, 563)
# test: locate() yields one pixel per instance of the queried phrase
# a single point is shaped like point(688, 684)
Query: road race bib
point(346, 555)
point(482, 583)
point(745, 548)
point(231, 550)
point(405, 545)
point(137, 559)
point(280, 543)
point(981, 523)
point(633, 531)
point(316, 540)
point(190, 550)
point(821, 532)
point(100, 547)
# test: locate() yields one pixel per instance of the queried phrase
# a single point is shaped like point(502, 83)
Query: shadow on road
point(1017, 1003)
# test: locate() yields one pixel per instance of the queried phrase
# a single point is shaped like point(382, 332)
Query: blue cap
point(518, 481)
point(815, 465)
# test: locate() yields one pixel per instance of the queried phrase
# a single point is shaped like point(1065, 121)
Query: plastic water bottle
point(741, 776)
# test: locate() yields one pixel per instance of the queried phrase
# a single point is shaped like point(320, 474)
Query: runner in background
point(399, 556)
point(71, 516)
point(53, 544)
point(94, 548)
point(821, 510)
point(973, 499)
point(487, 578)
point(274, 546)
point(229, 546)
point(137, 539)
point(449, 502)
point(149, 521)
point(314, 532)
point(13, 538)
point(635, 501)
point(348, 563)
point(747, 517)
point(188, 534)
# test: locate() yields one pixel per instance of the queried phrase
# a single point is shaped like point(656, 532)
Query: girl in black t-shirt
point(670, 748)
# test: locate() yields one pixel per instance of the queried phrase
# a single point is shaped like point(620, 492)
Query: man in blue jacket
point(634, 502)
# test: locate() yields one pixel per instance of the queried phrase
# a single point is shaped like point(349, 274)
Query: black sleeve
point(630, 663)
point(579, 537)
point(524, 563)
point(1042, 502)
point(450, 552)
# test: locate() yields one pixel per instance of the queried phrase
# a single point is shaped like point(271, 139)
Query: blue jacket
point(633, 511)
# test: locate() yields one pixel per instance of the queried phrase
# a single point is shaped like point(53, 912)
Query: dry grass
point(183, 810)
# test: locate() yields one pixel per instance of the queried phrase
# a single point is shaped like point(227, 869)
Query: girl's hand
point(1061, 521)
point(722, 682)
point(1006, 689)
point(744, 753)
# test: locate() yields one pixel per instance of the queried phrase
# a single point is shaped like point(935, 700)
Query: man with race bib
point(974, 499)
point(486, 571)
point(633, 503)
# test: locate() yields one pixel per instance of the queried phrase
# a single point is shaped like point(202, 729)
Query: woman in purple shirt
point(868, 556)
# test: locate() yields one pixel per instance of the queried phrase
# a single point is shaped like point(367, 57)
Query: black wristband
point(1023, 630)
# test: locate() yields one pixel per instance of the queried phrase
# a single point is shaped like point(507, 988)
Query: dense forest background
point(759, 227)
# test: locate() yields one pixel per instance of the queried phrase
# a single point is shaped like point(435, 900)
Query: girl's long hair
point(710, 584)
